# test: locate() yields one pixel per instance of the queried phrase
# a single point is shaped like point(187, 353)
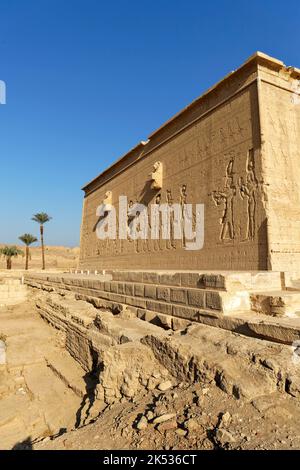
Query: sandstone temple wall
point(280, 121)
point(235, 150)
point(210, 154)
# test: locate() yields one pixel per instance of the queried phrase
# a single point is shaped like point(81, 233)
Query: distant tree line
point(10, 252)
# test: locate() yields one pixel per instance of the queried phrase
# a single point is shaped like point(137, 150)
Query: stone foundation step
point(276, 303)
point(224, 280)
point(70, 373)
point(161, 298)
point(279, 330)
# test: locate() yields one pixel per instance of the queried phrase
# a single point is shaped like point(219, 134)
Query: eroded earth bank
point(73, 376)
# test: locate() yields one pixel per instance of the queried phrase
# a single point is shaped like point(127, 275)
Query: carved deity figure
point(183, 201)
point(158, 242)
point(157, 176)
point(226, 196)
point(248, 190)
point(170, 243)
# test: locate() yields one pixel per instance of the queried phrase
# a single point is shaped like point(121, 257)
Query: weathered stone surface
point(170, 279)
point(213, 300)
point(163, 293)
point(167, 425)
point(139, 290)
point(129, 289)
point(196, 298)
point(233, 187)
point(150, 291)
point(178, 295)
point(163, 386)
point(161, 307)
point(163, 418)
point(142, 424)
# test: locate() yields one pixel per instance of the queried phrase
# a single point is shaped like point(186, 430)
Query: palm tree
point(10, 252)
point(41, 218)
point(27, 239)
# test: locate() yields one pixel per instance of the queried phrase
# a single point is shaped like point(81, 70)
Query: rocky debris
point(142, 424)
point(150, 415)
point(258, 368)
point(123, 373)
point(185, 425)
point(163, 386)
point(225, 419)
point(184, 389)
point(224, 438)
point(165, 417)
point(191, 425)
point(167, 425)
point(181, 432)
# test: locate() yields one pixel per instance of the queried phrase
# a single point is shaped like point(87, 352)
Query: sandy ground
point(57, 257)
point(36, 406)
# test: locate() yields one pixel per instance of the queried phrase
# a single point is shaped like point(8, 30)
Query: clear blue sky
point(88, 79)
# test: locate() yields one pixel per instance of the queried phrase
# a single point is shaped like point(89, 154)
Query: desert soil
point(57, 257)
point(39, 411)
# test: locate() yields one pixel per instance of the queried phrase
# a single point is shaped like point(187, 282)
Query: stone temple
point(151, 341)
point(235, 149)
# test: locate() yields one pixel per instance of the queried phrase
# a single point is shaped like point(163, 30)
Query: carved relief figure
point(226, 196)
point(248, 190)
point(157, 176)
point(170, 243)
point(183, 201)
point(158, 243)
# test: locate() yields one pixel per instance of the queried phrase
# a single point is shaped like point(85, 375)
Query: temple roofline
point(258, 58)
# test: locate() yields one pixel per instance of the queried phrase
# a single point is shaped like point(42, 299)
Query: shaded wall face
point(215, 162)
point(280, 114)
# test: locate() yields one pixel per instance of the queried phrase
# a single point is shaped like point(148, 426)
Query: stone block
point(129, 289)
point(135, 301)
point(121, 288)
point(185, 312)
point(162, 307)
point(163, 293)
point(179, 323)
point(107, 286)
point(213, 300)
point(170, 279)
point(189, 279)
point(196, 298)
point(150, 278)
point(150, 291)
point(114, 287)
point(116, 298)
point(139, 290)
point(178, 295)
point(216, 281)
